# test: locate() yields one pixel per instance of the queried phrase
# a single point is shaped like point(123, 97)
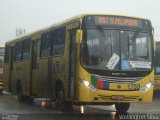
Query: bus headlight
point(88, 85)
point(147, 87)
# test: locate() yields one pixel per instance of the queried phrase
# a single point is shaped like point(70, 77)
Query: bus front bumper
point(86, 95)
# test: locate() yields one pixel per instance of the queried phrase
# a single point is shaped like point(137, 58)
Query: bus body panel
point(21, 71)
point(43, 79)
point(6, 77)
point(34, 84)
point(58, 74)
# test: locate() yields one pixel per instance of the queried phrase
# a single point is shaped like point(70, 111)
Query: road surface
point(11, 109)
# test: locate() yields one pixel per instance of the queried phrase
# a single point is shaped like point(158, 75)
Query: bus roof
point(75, 18)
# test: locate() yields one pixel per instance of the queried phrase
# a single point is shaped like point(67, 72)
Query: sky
point(33, 15)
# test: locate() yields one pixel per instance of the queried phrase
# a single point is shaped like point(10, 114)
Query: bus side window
point(6, 54)
point(58, 41)
point(45, 45)
point(34, 54)
point(26, 49)
point(18, 51)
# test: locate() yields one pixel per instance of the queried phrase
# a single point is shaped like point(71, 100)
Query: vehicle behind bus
point(90, 59)
point(1, 67)
point(157, 67)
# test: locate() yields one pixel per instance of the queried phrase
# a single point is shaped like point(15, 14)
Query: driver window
point(141, 47)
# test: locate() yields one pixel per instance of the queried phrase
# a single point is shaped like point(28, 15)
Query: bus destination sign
point(119, 21)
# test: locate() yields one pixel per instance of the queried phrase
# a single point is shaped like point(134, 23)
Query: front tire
point(62, 105)
point(122, 107)
point(60, 100)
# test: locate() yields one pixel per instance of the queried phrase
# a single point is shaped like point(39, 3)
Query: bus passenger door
point(11, 80)
point(72, 64)
point(7, 69)
point(34, 68)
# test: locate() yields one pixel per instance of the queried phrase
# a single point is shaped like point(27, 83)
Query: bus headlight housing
point(88, 85)
point(147, 86)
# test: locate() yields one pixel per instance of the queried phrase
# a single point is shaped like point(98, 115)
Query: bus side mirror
point(79, 36)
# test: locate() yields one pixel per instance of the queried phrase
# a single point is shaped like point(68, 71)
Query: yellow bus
point(157, 67)
point(88, 59)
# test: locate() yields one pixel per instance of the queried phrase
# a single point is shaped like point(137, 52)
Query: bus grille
point(126, 98)
point(118, 79)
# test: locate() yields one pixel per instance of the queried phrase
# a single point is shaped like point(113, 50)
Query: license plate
point(117, 97)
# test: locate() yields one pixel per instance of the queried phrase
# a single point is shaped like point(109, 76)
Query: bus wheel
point(122, 107)
point(62, 105)
point(60, 100)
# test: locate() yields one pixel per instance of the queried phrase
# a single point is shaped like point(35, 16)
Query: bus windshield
point(115, 49)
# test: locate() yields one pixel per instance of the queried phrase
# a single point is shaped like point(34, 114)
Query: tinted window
point(18, 51)
point(6, 54)
point(116, 49)
point(22, 50)
point(45, 45)
point(26, 50)
point(34, 53)
point(58, 41)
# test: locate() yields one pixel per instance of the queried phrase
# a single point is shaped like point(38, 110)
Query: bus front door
point(11, 80)
point(34, 69)
point(72, 64)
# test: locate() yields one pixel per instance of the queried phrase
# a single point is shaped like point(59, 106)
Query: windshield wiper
point(132, 40)
point(103, 34)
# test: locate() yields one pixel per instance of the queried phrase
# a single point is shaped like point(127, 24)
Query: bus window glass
point(6, 54)
point(45, 45)
point(100, 47)
point(140, 47)
point(125, 47)
point(18, 51)
point(34, 53)
point(1, 61)
point(1, 57)
point(26, 50)
point(58, 42)
point(2, 51)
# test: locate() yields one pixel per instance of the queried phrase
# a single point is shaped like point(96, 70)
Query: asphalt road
point(11, 109)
